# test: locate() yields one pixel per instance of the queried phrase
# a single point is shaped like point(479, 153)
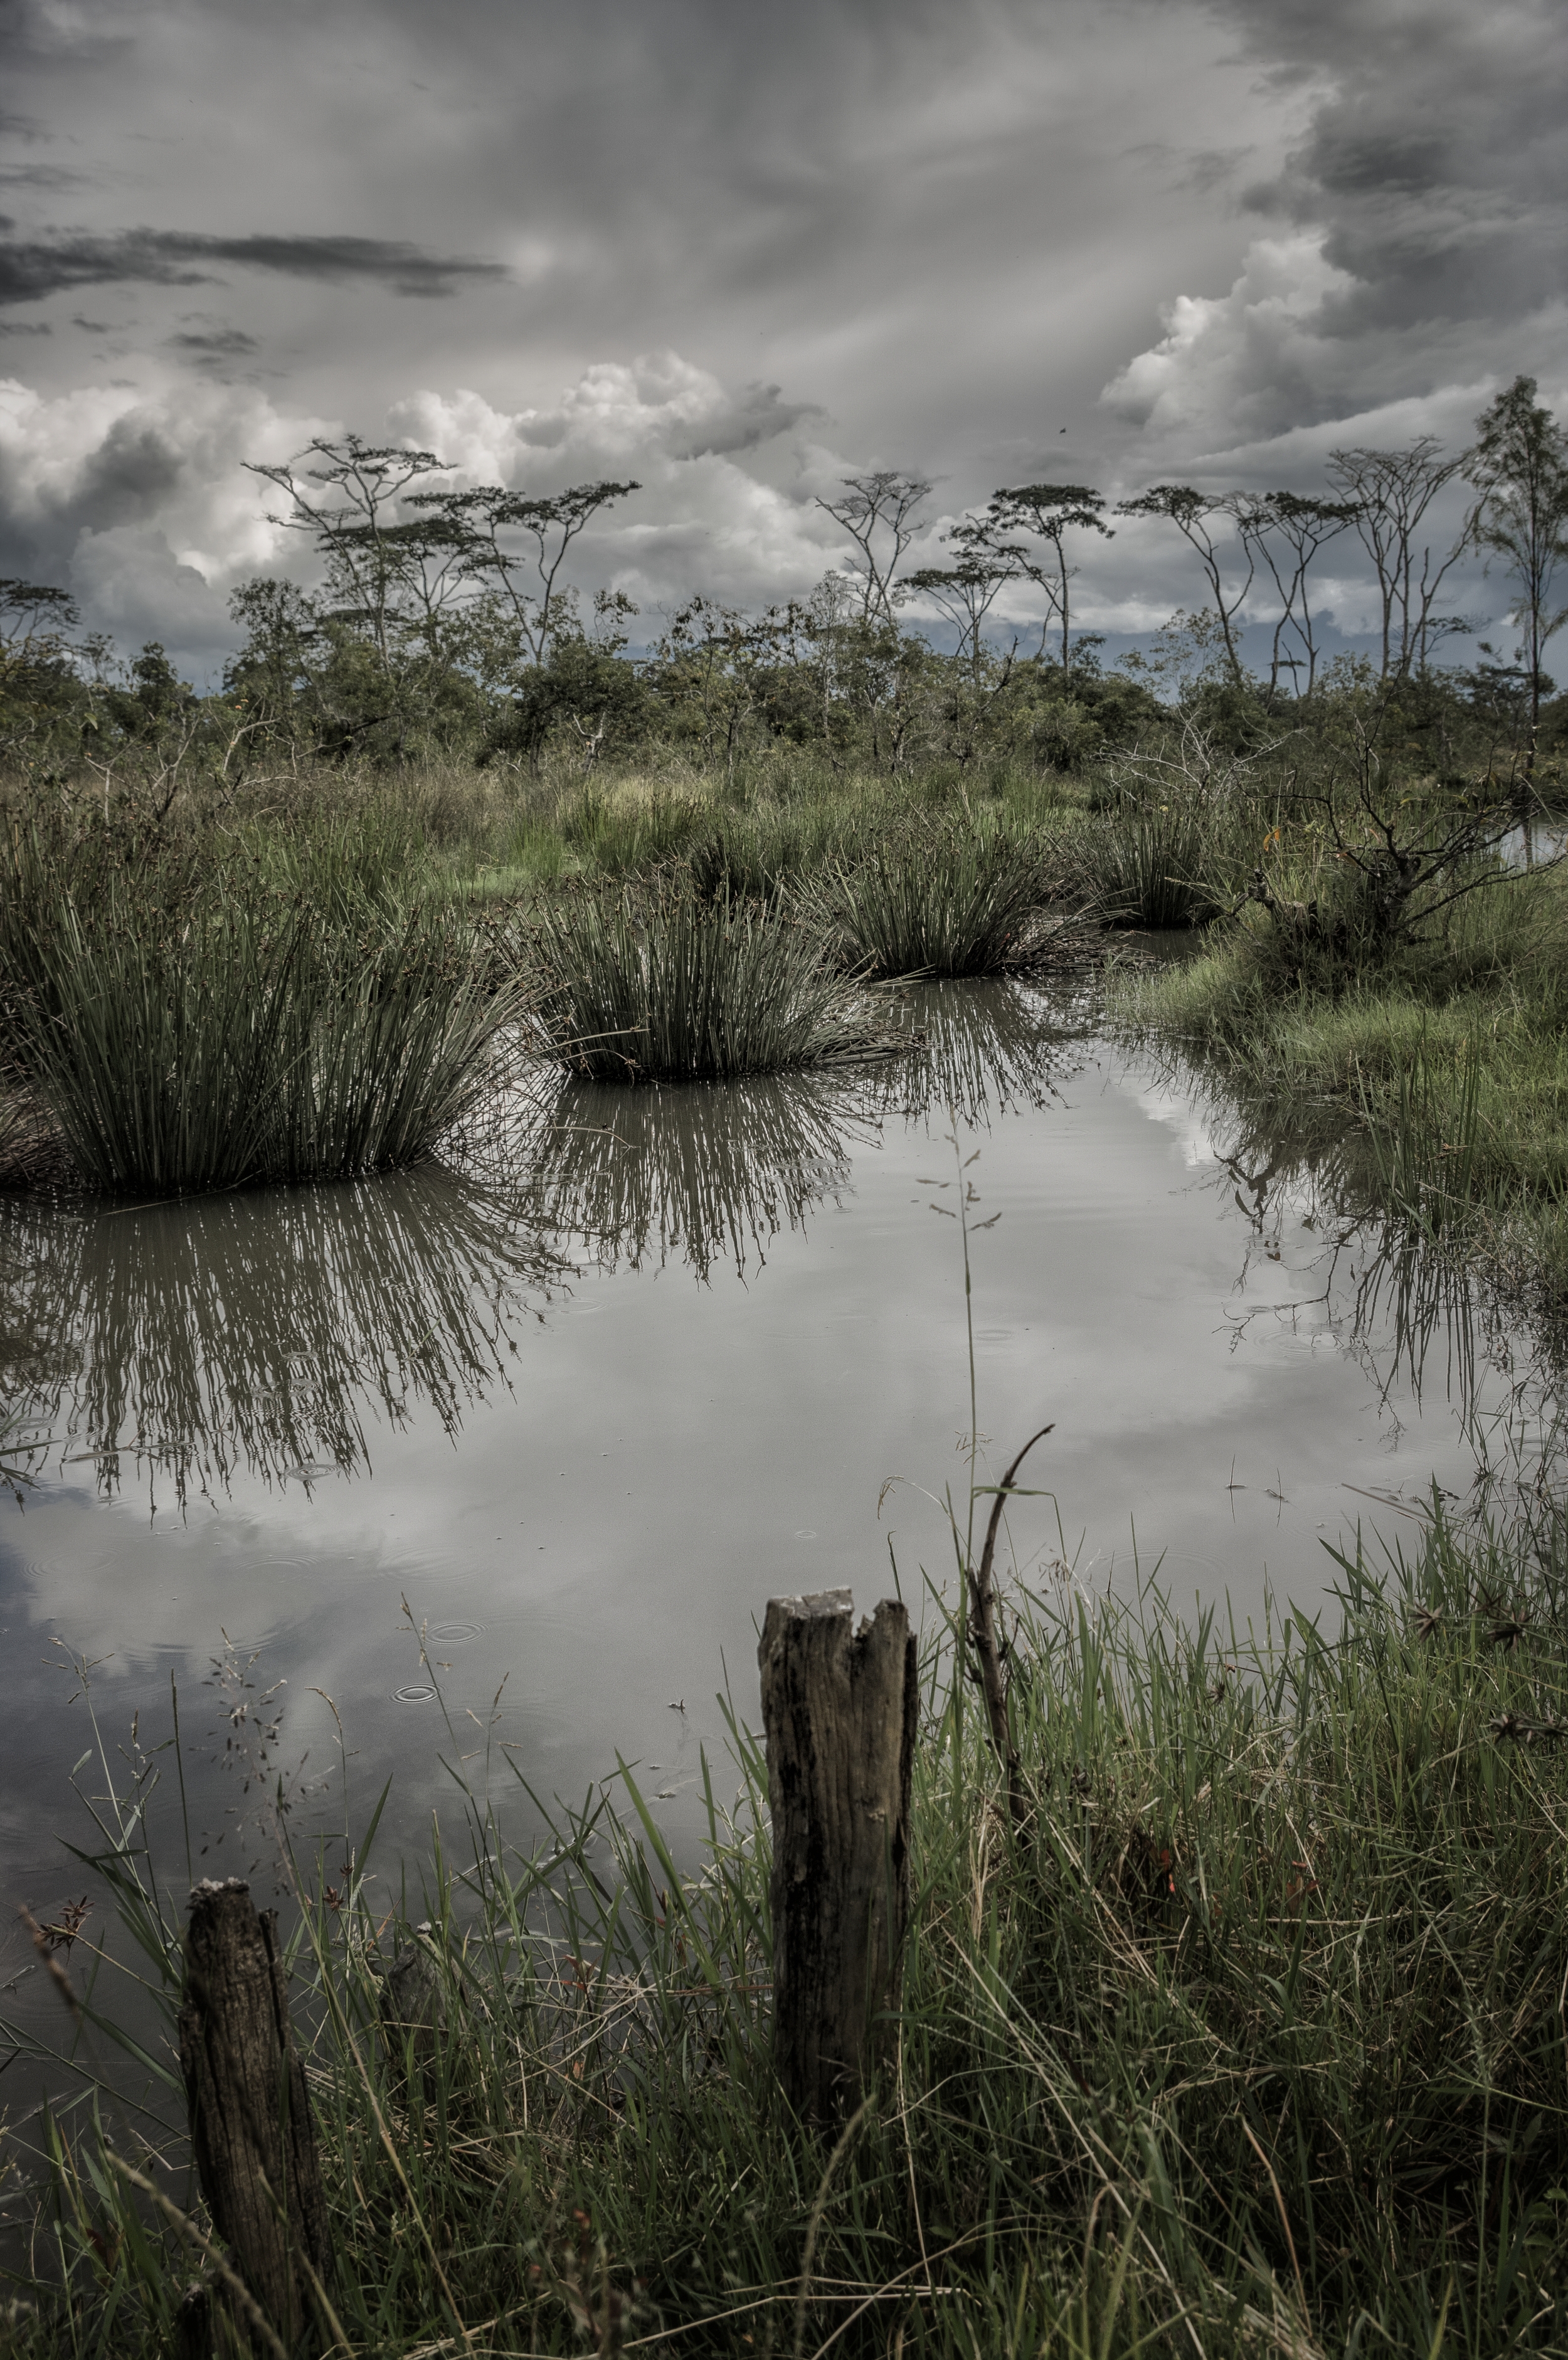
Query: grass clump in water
point(661, 984)
point(1147, 865)
point(303, 1016)
point(950, 898)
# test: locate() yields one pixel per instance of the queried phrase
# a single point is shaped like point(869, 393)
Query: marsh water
point(580, 1406)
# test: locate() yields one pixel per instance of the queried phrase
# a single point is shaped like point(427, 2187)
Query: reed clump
point(663, 983)
point(1148, 863)
point(307, 1010)
point(954, 896)
point(1247, 2039)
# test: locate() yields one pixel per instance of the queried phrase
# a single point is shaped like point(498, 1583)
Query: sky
point(737, 252)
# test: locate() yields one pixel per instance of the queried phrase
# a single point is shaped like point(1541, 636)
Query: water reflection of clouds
point(265, 1333)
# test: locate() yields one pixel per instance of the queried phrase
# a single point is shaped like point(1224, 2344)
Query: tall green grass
point(305, 1012)
point(660, 985)
point(1148, 863)
point(1447, 1060)
point(950, 898)
point(256, 1046)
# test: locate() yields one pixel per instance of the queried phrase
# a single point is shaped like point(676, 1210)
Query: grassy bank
point(1442, 1065)
point(1252, 2044)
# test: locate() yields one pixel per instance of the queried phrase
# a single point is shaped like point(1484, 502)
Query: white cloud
point(1241, 367)
point(138, 498)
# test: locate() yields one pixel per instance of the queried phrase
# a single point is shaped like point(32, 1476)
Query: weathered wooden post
point(251, 2111)
point(838, 1708)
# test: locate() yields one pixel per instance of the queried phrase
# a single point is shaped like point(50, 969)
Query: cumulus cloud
point(138, 501)
point(141, 502)
point(1239, 366)
point(655, 406)
point(1261, 226)
point(1418, 224)
point(701, 517)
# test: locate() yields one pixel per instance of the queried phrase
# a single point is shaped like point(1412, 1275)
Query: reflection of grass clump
point(663, 986)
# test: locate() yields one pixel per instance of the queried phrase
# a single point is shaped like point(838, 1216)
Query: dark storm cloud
point(127, 479)
point(755, 416)
point(31, 269)
point(1436, 160)
point(48, 177)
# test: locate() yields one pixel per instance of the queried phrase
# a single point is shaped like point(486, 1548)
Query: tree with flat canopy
point(1026, 528)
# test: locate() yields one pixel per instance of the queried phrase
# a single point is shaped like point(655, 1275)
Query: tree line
point(445, 618)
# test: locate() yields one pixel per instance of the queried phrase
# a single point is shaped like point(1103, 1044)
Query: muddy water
point(653, 1357)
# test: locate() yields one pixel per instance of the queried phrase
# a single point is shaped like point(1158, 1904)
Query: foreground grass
point(1253, 2044)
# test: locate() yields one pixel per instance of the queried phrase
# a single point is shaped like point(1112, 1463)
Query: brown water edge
point(651, 1360)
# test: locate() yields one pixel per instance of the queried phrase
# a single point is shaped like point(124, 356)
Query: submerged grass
point(663, 984)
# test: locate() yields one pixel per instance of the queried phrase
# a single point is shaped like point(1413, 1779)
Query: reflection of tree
point(978, 1048)
point(256, 1332)
point(697, 1171)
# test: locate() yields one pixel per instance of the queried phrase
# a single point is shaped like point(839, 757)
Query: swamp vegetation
point(1232, 2014)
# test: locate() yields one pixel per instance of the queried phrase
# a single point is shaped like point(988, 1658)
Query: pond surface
point(653, 1360)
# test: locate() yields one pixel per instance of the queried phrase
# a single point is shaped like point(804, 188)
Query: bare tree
point(1391, 491)
point(1194, 514)
point(552, 524)
point(965, 593)
point(353, 519)
point(1278, 523)
point(1047, 512)
point(875, 510)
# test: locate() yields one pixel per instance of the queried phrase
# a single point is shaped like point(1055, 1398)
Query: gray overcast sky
point(736, 249)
